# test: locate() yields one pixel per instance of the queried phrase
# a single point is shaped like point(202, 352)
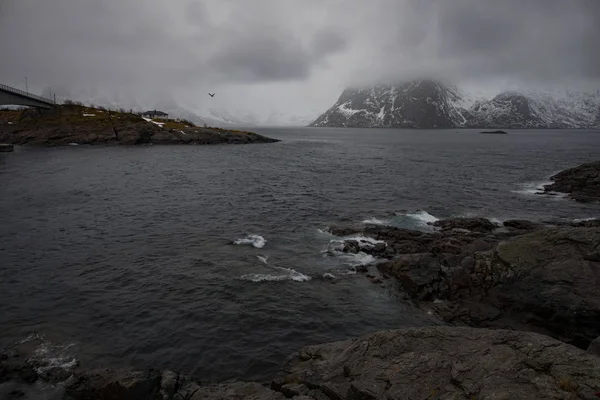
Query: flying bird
point(211, 94)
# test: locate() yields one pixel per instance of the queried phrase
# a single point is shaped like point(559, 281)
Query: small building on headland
point(155, 114)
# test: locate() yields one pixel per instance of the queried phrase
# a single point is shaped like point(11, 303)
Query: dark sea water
point(123, 256)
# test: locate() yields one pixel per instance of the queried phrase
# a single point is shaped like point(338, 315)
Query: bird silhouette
point(211, 94)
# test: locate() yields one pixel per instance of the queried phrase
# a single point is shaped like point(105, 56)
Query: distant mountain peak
point(429, 103)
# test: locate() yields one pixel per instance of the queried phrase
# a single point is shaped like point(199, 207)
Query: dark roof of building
point(154, 112)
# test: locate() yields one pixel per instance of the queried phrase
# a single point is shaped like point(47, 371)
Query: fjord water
point(123, 256)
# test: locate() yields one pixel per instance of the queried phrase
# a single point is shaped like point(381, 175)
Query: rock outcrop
point(582, 183)
point(523, 276)
point(73, 124)
point(443, 363)
point(418, 363)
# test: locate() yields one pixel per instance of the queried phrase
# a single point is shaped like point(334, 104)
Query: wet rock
point(446, 363)
point(582, 183)
point(239, 390)
point(379, 249)
point(536, 278)
point(470, 224)
point(520, 224)
point(343, 230)
point(351, 246)
point(116, 385)
point(590, 223)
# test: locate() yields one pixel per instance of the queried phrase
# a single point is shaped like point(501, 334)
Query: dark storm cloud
point(535, 40)
point(135, 41)
point(272, 55)
point(318, 45)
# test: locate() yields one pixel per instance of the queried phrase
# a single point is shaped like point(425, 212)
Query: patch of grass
point(174, 124)
point(566, 383)
point(73, 114)
point(237, 132)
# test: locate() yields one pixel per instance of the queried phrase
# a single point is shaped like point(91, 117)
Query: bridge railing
point(25, 94)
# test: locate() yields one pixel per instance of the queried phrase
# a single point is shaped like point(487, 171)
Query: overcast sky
point(292, 55)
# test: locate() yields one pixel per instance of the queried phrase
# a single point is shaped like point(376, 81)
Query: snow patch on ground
point(154, 122)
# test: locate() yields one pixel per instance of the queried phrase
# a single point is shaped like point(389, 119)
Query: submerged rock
point(471, 224)
point(520, 224)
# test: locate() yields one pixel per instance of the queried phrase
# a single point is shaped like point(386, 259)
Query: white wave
point(531, 188)
point(357, 260)
point(253, 240)
point(31, 337)
point(364, 241)
point(289, 274)
point(263, 259)
point(328, 275)
point(376, 221)
point(420, 216)
point(537, 189)
point(585, 219)
point(47, 356)
point(324, 232)
point(419, 220)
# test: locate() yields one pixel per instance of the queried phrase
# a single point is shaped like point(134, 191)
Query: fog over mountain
point(290, 60)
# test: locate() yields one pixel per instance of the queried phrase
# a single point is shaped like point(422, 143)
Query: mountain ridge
point(431, 104)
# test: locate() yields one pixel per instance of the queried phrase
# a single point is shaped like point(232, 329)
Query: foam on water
point(532, 188)
point(364, 241)
point(419, 219)
point(263, 259)
point(376, 221)
point(47, 356)
point(252, 240)
point(288, 274)
point(357, 260)
point(422, 217)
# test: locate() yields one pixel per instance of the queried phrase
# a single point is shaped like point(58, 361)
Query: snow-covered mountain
point(431, 104)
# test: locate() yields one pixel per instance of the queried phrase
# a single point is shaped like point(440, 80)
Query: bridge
point(12, 96)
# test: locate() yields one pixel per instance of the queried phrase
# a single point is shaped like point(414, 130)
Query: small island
point(75, 124)
point(494, 133)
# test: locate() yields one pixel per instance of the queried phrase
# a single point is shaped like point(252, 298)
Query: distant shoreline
point(76, 124)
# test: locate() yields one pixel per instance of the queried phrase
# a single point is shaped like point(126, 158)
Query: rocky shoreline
point(419, 363)
point(520, 299)
point(73, 124)
point(519, 276)
point(582, 183)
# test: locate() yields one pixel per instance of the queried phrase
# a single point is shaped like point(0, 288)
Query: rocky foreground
point(582, 183)
point(421, 363)
point(73, 124)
